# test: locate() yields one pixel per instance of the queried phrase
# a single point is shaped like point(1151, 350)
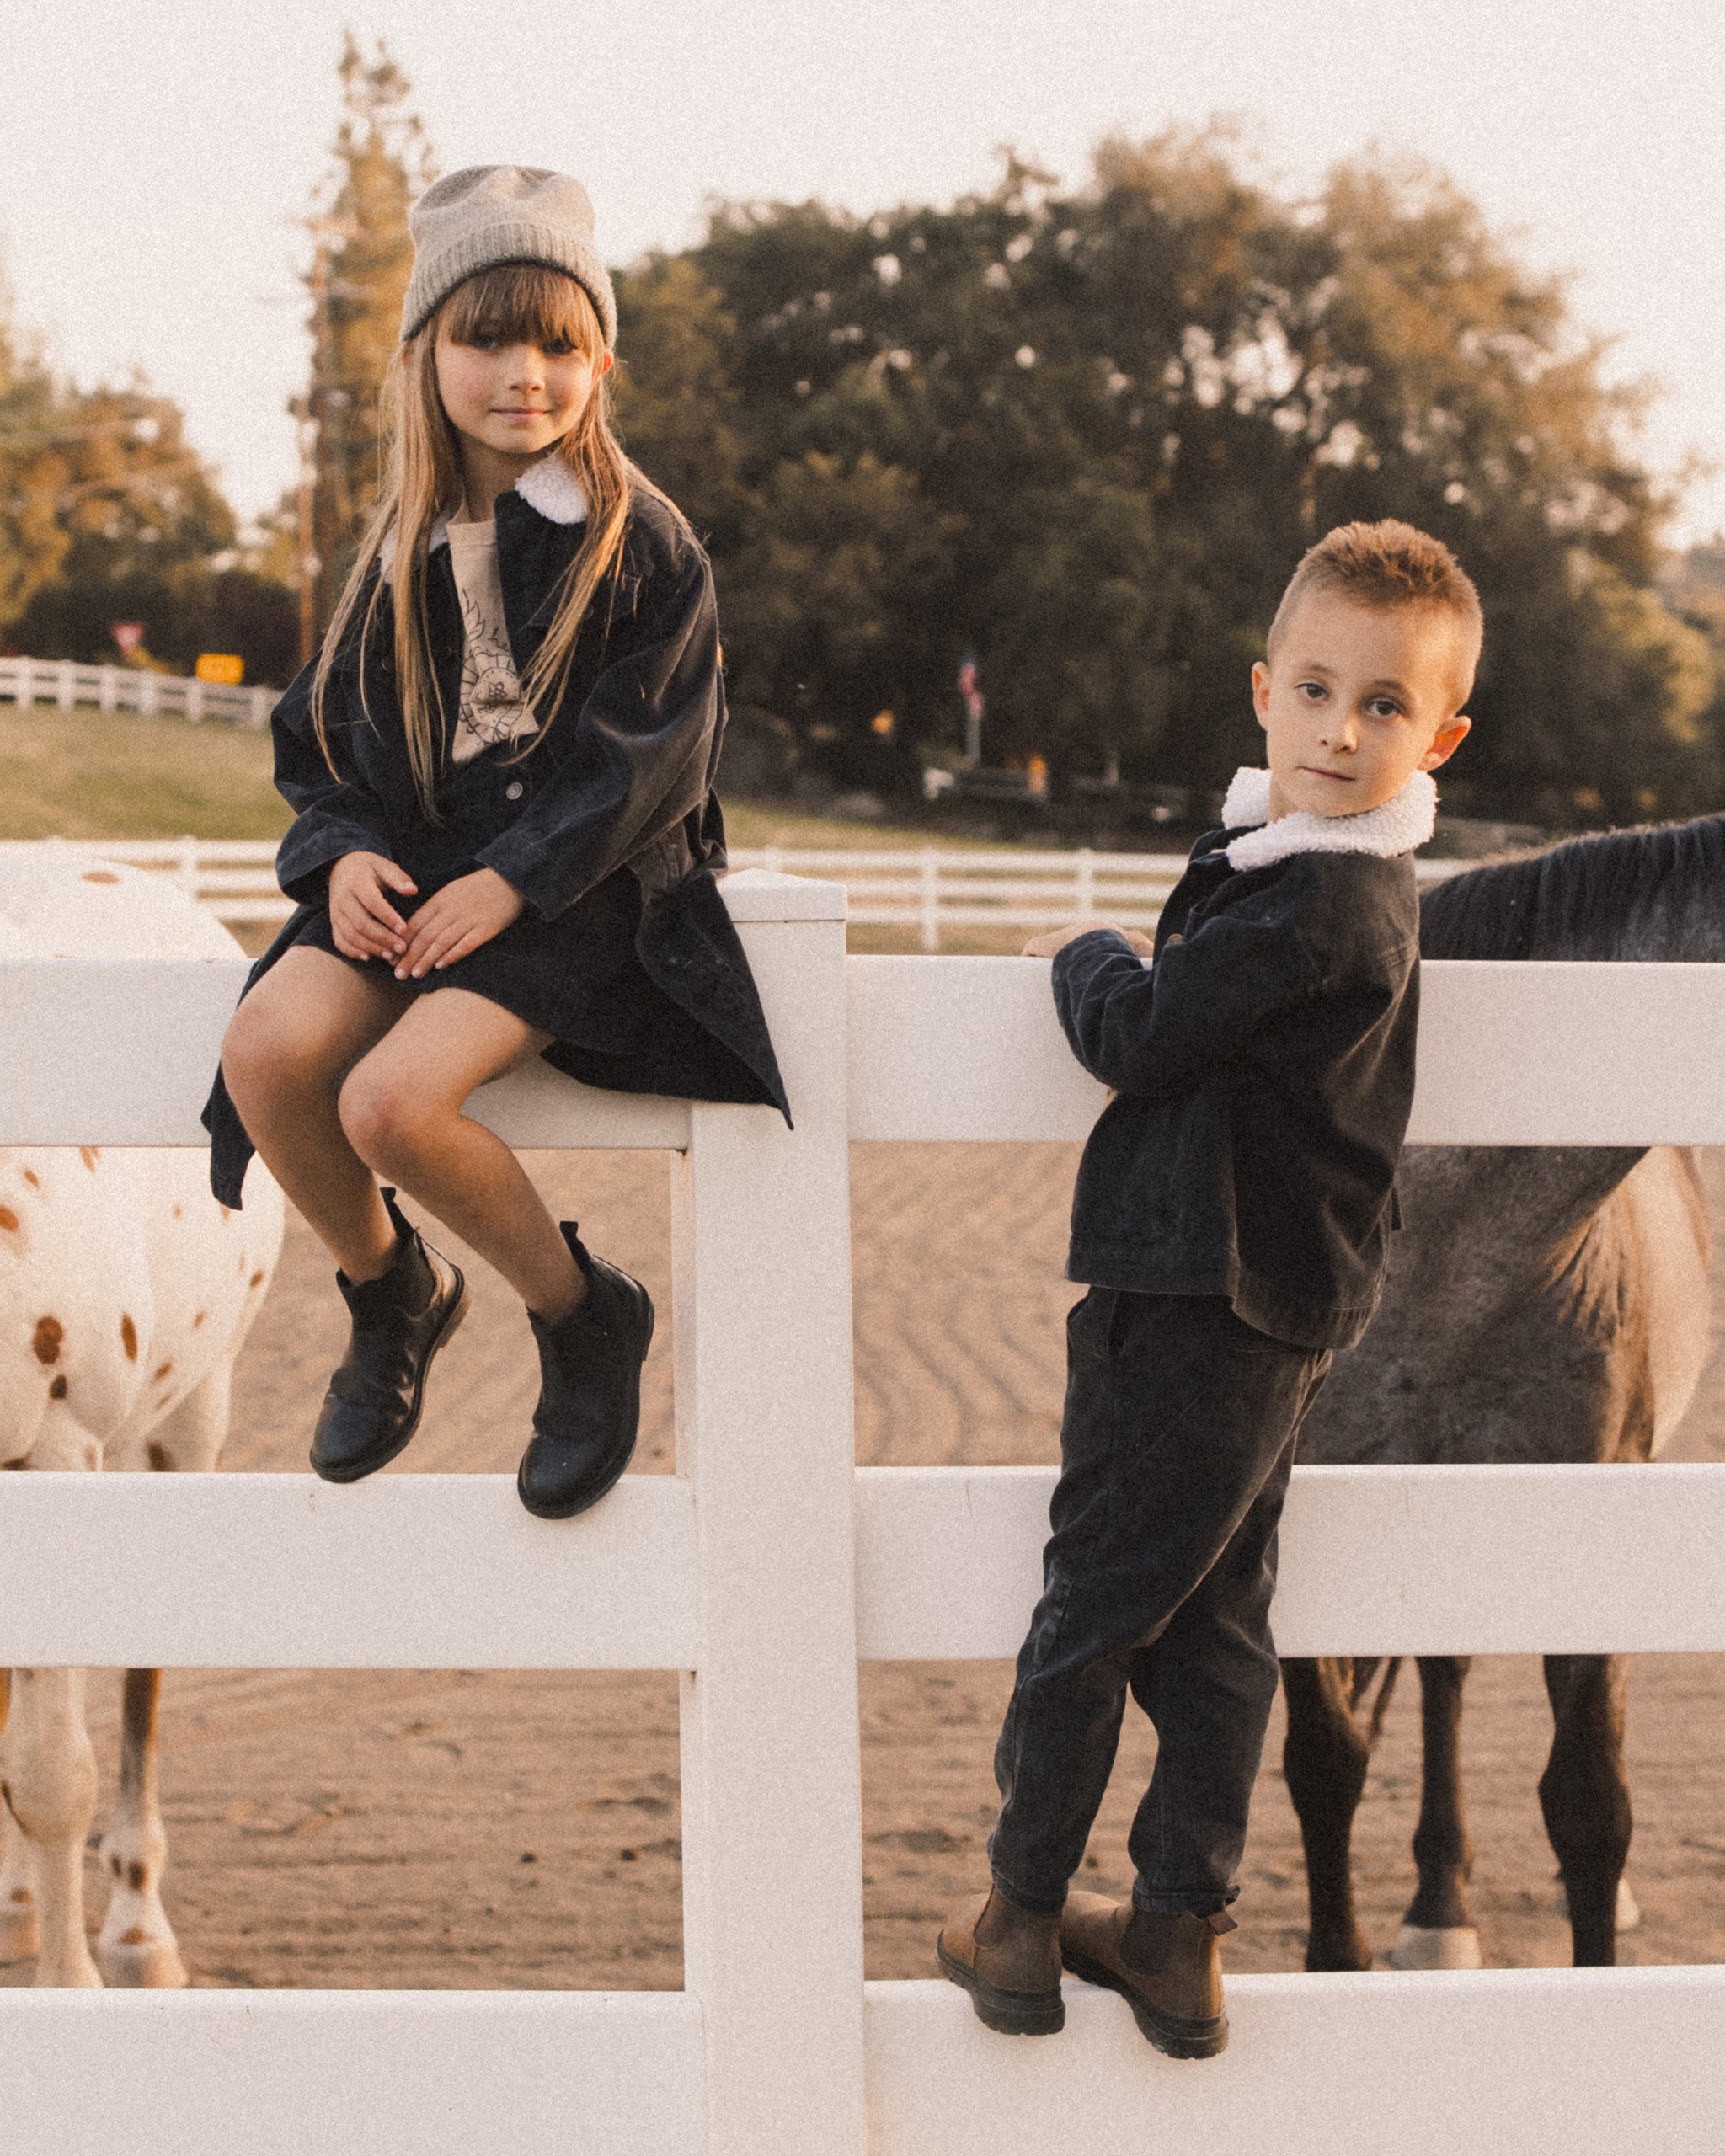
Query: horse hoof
point(147, 1965)
point(21, 1935)
point(1628, 1908)
point(1429, 1946)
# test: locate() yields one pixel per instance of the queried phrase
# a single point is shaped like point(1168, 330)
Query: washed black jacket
point(1263, 1066)
point(622, 778)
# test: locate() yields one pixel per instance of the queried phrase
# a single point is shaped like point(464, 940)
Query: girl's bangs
point(521, 303)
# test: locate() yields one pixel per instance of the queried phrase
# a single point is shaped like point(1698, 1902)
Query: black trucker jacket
point(1263, 1066)
point(623, 778)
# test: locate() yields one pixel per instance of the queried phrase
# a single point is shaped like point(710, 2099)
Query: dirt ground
point(517, 1829)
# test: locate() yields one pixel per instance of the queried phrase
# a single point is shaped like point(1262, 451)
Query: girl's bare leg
point(401, 1110)
point(288, 1049)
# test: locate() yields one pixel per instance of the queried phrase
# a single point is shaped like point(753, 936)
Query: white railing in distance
point(66, 684)
point(768, 1564)
point(929, 889)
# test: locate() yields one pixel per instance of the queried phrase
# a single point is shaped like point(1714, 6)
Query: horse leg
point(1437, 1932)
point(1324, 1760)
point(19, 1931)
point(1585, 1796)
point(136, 1947)
point(48, 1782)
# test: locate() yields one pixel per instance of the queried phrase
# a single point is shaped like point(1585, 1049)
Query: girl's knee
point(384, 1121)
point(259, 1056)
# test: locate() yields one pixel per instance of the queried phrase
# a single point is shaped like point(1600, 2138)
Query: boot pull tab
point(1220, 1923)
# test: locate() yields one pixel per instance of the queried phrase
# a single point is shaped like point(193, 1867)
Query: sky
point(154, 159)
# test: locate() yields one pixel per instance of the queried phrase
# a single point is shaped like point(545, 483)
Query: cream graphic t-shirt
point(492, 712)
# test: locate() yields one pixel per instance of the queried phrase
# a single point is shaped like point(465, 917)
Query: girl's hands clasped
point(361, 920)
point(457, 919)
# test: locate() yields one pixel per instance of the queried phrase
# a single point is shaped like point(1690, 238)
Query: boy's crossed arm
point(1158, 1031)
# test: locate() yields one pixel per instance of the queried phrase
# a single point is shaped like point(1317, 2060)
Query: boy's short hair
point(1386, 564)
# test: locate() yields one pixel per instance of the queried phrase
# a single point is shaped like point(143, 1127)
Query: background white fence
point(928, 889)
point(768, 1564)
point(65, 683)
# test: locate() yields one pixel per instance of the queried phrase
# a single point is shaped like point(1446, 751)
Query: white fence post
point(63, 685)
point(771, 1801)
point(928, 886)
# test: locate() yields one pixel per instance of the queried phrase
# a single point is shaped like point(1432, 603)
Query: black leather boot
point(589, 1394)
point(400, 1321)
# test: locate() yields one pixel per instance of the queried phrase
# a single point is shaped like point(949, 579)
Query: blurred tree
point(1113, 418)
point(673, 399)
point(362, 256)
point(34, 472)
point(107, 515)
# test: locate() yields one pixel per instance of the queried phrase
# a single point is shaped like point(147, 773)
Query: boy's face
point(1357, 699)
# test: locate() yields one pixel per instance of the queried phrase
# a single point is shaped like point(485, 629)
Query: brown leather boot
point(1168, 1969)
point(1008, 1959)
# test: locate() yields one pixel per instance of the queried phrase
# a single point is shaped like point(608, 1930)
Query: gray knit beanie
point(489, 214)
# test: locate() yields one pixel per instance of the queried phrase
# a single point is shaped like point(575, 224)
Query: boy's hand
point(361, 920)
point(1056, 939)
point(461, 917)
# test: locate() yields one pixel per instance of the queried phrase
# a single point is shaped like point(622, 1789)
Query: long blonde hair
point(516, 302)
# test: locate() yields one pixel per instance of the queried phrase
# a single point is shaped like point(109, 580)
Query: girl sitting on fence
point(502, 765)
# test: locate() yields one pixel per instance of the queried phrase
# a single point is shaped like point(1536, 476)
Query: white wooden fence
point(65, 683)
point(928, 889)
point(768, 1564)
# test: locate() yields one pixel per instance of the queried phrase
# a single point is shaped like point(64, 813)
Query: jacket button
point(514, 790)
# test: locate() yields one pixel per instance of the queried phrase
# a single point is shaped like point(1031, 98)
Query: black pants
point(1178, 1434)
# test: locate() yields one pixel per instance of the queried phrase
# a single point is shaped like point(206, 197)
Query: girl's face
point(515, 399)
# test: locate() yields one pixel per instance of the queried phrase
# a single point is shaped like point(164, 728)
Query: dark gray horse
point(1543, 1303)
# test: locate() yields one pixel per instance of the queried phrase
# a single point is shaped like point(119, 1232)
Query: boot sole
point(356, 1471)
point(1176, 2036)
point(1011, 2013)
point(589, 1499)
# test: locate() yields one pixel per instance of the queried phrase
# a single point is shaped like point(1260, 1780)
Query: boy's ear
point(1447, 738)
point(1261, 691)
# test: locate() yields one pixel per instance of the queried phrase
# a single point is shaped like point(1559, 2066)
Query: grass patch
point(86, 774)
point(752, 822)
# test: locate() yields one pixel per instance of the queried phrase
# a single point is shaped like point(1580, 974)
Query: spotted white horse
point(125, 1294)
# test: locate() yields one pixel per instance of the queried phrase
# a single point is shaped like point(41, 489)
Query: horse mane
point(1655, 893)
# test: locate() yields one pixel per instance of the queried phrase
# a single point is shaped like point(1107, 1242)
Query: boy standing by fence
point(1231, 1219)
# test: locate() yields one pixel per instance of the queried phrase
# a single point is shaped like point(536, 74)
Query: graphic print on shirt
point(491, 708)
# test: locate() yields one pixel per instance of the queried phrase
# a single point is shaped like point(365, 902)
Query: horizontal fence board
point(121, 1052)
point(1520, 1054)
point(437, 1572)
point(1509, 1054)
point(352, 2073)
point(962, 1048)
point(1373, 1560)
point(283, 1571)
point(1493, 2063)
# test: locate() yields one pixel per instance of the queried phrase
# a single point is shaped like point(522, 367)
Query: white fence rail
point(928, 889)
point(767, 1564)
point(66, 684)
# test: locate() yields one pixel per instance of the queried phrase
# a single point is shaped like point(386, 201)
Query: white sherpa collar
point(548, 485)
point(1398, 825)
